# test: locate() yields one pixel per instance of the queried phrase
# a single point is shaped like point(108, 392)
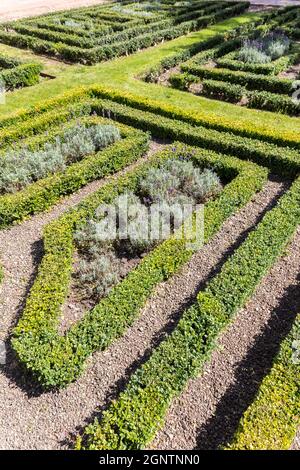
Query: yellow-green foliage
point(272, 420)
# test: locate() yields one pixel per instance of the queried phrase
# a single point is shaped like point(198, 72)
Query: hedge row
point(199, 53)
point(56, 360)
point(280, 160)
point(38, 123)
point(223, 90)
point(250, 80)
point(272, 420)
point(100, 31)
point(272, 68)
point(210, 88)
point(183, 81)
point(7, 62)
point(219, 50)
point(232, 93)
point(85, 42)
point(133, 419)
point(153, 73)
point(150, 116)
point(274, 102)
point(108, 51)
point(20, 76)
point(42, 194)
point(99, 53)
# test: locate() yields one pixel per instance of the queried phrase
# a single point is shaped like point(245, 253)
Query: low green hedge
point(35, 123)
point(87, 42)
point(182, 81)
point(98, 53)
point(210, 88)
point(171, 61)
point(20, 76)
point(7, 62)
point(232, 93)
point(283, 161)
point(132, 420)
point(56, 360)
point(288, 138)
point(272, 420)
point(42, 194)
point(42, 23)
point(272, 68)
point(162, 120)
point(250, 80)
point(223, 91)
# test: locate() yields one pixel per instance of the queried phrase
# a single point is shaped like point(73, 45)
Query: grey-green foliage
point(277, 48)
point(98, 267)
point(22, 167)
point(252, 55)
point(72, 24)
point(98, 275)
point(176, 180)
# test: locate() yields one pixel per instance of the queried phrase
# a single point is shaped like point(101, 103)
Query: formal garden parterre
point(64, 145)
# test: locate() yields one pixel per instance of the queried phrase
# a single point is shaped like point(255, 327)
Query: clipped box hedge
point(281, 160)
point(288, 138)
point(57, 360)
point(42, 194)
point(132, 420)
point(18, 74)
point(76, 48)
point(272, 420)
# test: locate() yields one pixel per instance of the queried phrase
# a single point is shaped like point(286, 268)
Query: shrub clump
point(101, 265)
point(22, 167)
point(177, 179)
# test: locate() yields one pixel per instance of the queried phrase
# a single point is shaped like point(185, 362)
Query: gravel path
point(207, 413)
point(30, 420)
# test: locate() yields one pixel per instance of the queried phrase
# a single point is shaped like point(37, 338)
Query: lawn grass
point(122, 74)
